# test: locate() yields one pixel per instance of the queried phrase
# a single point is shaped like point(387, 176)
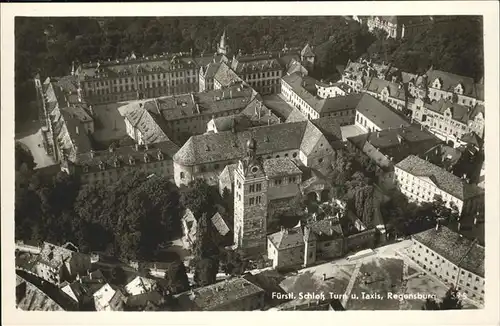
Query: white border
point(489, 9)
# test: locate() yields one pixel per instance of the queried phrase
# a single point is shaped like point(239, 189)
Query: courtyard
point(375, 282)
point(30, 135)
point(351, 131)
point(109, 124)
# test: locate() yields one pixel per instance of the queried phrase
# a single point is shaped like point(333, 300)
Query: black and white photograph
point(175, 163)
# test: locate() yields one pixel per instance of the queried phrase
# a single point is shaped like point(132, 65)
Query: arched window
point(182, 175)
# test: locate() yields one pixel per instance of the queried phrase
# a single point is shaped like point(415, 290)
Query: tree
point(204, 245)
point(177, 280)
point(118, 276)
point(206, 271)
point(200, 198)
point(23, 158)
point(449, 301)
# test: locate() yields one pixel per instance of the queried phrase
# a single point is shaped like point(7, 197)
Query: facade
point(315, 240)
point(138, 78)
point(261, 71)
point(449, 121)
point(205, 156)
point(109, 298)
point(373, 115)
point(236, 294)
point(393, 94)
point(297, 90)
point(389, 24)
point(327, 90)
point(54, 264)
point(390, 146)
point(106, 167)
point(421, 181)
point(445, 85)
point(456, 260)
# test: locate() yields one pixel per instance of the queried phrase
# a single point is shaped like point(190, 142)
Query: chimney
point(111, 149)
point(136, 147)
point(437, 225)
point(378, 134)
point(230, 93)
point(475, 220)
point(92, 153)
point(324, 277)
point(77, 130)
point(459, 226)
point(146, 146)
point(268, 121)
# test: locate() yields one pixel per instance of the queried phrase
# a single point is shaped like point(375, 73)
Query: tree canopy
point(451, 300)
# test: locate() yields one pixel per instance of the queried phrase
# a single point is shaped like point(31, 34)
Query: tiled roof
point(138, 66)
point(286, 239)
point(476, 110)
point(414, 140)
point(443, 179)
point(296, 66)
point(144, 116)
point(380, 114)
point(459, 112)
point(330, 128)
point(226, 76)
point(407, 77)
point(210, 102)
point(34, 299)
point(474, 260)
point(140, 301)
point(472, 138)
point(210, 70)
point(226, 146)
point(326, 229)
point(339, 103)
point(256, 65)
point(219, 224)
point(456, 248)
point(278, 106)
point(127, 155)
point(377, 85)
point(449, 81)
point(226, 177)
point(255, 107)
point(54, 255)
point(140, 285)
point(278, 167)
point(218, 295)
point(296, 116)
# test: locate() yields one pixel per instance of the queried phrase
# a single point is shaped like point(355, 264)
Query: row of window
point(254, 200)
point(264, 75)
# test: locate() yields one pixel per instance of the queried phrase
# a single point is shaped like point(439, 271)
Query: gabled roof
point(227, 146)
point(307, 51)
point(226, 76)
point(459, 112)
point(145, 117)
point(459, 250)
point(444, 180)
point(326, 229)
point(278, 167)
point(380, 114)
point(286, 239)
point(377, 85)
point(449, 81)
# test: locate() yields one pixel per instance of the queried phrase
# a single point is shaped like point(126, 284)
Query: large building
point(448, 120)
point(421, 181)
point(373, 115)
point(257, 183)
point(205, 156)
point(299, 91)
point(181, 116)
point(236, 294)
point(390, 146)
point(456, 260)
point(107, 166)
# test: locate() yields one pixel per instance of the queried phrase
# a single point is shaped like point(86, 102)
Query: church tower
point(222, 47)
point(250, 201)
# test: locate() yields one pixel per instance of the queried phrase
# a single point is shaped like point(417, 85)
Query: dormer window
point(437, 84)
point(85, 168)
point(459, 89)
point(131, 160)
point(101, 165)
point(146, 158)
point(160, 156)
point(116, 163)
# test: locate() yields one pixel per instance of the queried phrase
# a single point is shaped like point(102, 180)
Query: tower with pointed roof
point(307, 56)
point(250, 201)
point(222, 47)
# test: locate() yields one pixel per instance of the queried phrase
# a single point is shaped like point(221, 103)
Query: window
point(294, 155)
point(252, 188)
point(251, 201)
point(258, 187)
point(182, 175)
point(258, 200)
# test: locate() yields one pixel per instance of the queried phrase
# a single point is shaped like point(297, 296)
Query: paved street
point(31, 136)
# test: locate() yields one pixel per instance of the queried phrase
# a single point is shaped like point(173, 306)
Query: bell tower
point(250, 201)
